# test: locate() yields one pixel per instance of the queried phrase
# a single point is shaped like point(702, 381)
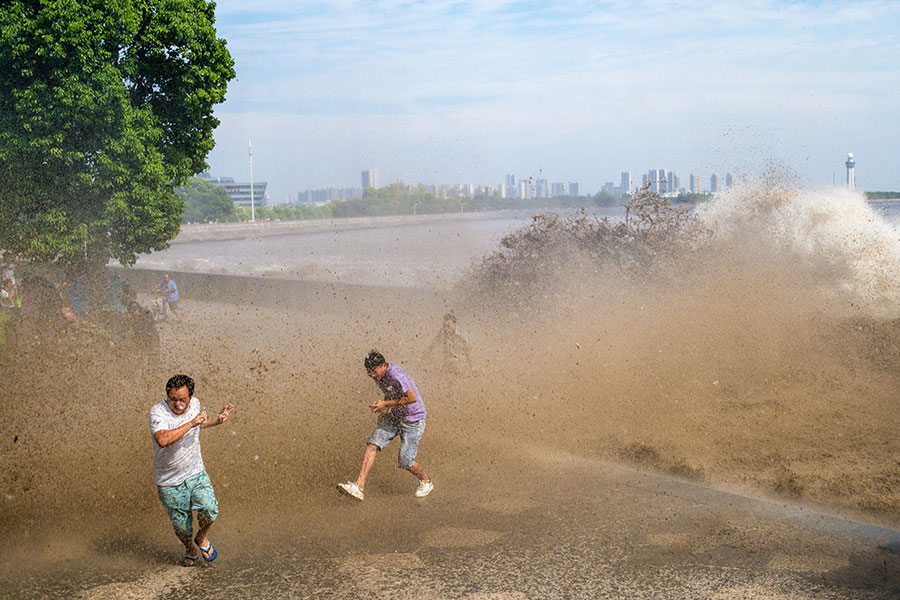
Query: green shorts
point(194, 493)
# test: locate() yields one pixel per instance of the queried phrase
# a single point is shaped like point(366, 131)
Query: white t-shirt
point(176, 462)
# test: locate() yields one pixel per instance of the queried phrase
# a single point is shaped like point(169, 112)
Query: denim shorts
point(410, 433)
point(194, 493)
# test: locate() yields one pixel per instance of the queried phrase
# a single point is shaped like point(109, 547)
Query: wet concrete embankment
point(265, 292)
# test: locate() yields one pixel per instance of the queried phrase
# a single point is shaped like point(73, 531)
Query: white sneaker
point(424, 488)
point(351, 489)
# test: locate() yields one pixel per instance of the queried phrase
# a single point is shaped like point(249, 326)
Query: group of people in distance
point(183, 485)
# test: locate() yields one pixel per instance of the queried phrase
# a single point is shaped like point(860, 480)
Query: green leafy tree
point(105, 107)
point(204, 201)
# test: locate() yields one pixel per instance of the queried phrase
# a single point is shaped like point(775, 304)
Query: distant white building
point(326, 195)
point(626, 182)
point(674, 183)
point(611, 188)
point(575, 189)
point(652, 179)
point(524, 188)
point(714, 184)
point(696, 184)
point(370, 179)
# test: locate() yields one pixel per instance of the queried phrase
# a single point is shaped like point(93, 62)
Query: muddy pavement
point(581, 529)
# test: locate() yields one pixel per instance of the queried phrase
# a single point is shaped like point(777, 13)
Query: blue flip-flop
point(205, 551)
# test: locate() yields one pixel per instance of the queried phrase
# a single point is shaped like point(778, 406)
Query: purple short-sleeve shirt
point(394, 384)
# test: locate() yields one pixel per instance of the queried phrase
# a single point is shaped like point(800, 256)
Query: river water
point(428, 252)
point(398, 251)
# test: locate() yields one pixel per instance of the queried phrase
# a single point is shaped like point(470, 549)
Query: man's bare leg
point(189, 548)
point(200, 538)
point(367, 462)
point(416, 469)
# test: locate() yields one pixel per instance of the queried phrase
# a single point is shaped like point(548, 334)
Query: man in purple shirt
point(402, 413)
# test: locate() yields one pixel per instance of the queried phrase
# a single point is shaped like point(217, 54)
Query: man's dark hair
point(450, 317)
point(374, 359)
point(179, 381)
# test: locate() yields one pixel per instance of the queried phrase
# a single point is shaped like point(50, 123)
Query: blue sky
point(466, 92)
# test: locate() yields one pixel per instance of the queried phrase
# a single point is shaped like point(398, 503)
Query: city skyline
point(658, 180)
point(441, 91)
point(663, 181)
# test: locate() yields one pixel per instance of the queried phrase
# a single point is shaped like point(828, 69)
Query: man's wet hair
point(450, 317)
point(179, 381)
point(374, 359)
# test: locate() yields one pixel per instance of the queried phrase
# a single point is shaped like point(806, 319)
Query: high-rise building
point(674, 182)
point(729, 180)
point(713, 184)
point(542, 189)
point(696, 185)
point(370, 178)
point(574, 189)
point(557, 189)
point(653, 180)
point(510, 180)
point(524, 190)
point(626, 182)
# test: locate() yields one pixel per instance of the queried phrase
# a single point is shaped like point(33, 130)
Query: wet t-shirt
point(394, 384)
point(172, 289)
point(180, 460)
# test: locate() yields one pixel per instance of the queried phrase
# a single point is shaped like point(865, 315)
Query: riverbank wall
point(268, 292)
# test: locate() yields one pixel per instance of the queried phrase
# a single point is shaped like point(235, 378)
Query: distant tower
point(851, 181)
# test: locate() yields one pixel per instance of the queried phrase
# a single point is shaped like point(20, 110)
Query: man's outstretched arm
point(223, 416)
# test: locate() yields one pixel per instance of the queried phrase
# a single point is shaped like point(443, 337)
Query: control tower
point(851, 182)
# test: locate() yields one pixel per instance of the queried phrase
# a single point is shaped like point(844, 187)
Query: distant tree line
point(882, 195)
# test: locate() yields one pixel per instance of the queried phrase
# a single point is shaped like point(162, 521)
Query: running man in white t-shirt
point(181, 480)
